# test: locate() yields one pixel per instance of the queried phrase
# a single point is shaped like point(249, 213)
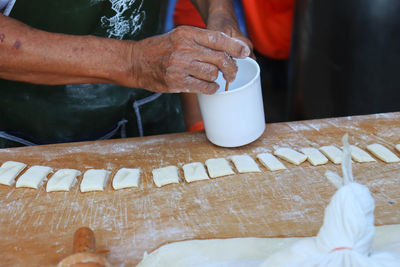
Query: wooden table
point(36, 228)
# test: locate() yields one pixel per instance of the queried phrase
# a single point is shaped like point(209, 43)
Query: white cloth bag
point(346, 236)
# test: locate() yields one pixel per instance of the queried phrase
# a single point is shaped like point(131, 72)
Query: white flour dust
point(121, 23)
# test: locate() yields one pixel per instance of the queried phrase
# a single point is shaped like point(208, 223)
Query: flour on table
point(166, 175)
point(126, 178)
point(360, 155)
point(62, 180)
point(244, 163)
point(33, 177)
point(383, 153)
point(218, 167)
point(94, 180)
point(9, 171)
point(271, 162)
point(314, 156)
point(333, 153)
point(194, 171)
point(290, 155)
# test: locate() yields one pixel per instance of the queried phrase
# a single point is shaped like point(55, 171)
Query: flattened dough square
point(360, 155)
point(62, 180)
point(94, 180)
point(9, 171)
point(218, 167)
point(383, 153)
point(333, 153)
point(290, 155)
point(195, 171)
point(271, 162)
point(244, 163)
point(126, 178)
point(314, 156)
point(33, 177)
point(166, 175)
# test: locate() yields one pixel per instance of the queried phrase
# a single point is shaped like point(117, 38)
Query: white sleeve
point(6, 6)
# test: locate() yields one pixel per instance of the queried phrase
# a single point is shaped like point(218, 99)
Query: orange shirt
point(269, 23)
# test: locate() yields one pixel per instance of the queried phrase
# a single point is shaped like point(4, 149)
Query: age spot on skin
point(17, 44)
point(2, 36)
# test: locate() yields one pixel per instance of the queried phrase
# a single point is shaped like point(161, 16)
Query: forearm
point(36, 56)
point(211, 9)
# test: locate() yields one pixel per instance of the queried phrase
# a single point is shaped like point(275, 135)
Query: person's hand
point(226, 23)
point(187, 59)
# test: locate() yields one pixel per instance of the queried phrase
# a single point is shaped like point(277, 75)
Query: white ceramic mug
point(235, 117)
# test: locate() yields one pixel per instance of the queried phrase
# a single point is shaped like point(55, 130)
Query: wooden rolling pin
point(84, 251)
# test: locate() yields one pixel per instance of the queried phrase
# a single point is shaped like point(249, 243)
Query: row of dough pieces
point(95, 180)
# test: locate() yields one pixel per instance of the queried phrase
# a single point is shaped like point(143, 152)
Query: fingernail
point(245, 52)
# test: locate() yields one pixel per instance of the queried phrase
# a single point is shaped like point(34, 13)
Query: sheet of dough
point(359, 155)
point(290, 155)
point(333, 153)
point(166, 175)
point(126, 178)
point(33, 177)
point(383, 153)
point(9, 170)
point(94, 180)
point(62, 180)
point(271, 162)
point(244, 163)
point(314, 156)
point(195, 171)
point(218, 167)
point(244, 252)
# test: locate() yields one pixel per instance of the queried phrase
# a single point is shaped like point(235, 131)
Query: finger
point(195, 85)
point(221, 60)
point(203, 71)
point(222, 42)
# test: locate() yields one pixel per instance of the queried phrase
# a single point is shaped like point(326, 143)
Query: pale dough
point(33, 177)
point(271, 162)
point(383, 153)
point(94, 180)
point(290, 155)
point(245, 252)
point(126, 178)
point(397, 147)
point(333, 153)
point(244, 163)
point(166, 175)
point(9, 171)
point(360, 155)
point(314, 156)
point(218, 167)
point(62, 180)
point(194, 171)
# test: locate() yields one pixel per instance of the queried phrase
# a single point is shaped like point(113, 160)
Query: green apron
point(38, 114)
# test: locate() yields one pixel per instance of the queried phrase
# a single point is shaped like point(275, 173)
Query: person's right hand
point(187, 59)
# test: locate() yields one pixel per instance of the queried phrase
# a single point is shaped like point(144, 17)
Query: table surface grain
point(36, 228)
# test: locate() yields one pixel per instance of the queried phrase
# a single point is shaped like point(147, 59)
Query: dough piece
point(9, 170)
point(244, 163)
point(166, 175)
point(360, 155)
point(33, 177)
point(290, 155)
point(333, 153)
point(125, 178)
point(314, 156)
point(195, 172)
point(62, 180)
point(218, 167)
point(383, 153)
point(94, 180)
point(397, 147)
point(271, 162)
